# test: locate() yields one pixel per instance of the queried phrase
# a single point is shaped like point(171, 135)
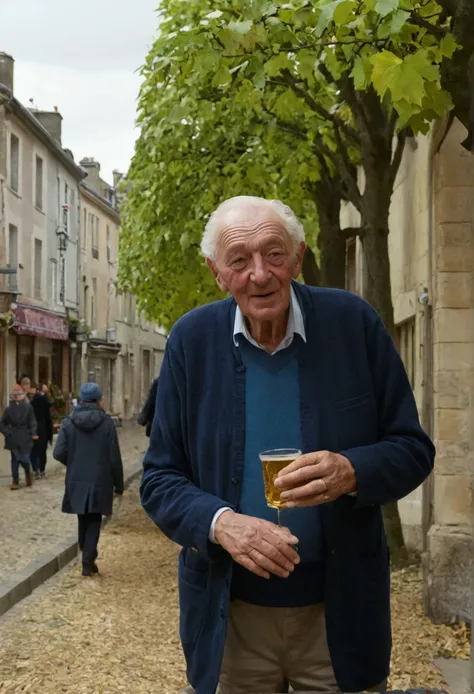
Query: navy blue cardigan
point(355, 399)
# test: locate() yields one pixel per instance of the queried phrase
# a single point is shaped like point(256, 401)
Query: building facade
point(40, 232)
point(431, 249)
point(123, 352)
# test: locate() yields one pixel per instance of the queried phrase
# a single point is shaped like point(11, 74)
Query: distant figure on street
point(18, 425)
point(145, 418)
point(42, 409)
point(25, 384)
point(88, 446)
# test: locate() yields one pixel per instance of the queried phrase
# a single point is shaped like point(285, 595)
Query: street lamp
point(63, 238)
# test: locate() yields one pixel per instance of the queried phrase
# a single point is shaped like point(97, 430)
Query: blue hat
point(90, 392)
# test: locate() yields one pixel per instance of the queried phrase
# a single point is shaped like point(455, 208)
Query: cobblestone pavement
point(115, 632)
point(31, 522)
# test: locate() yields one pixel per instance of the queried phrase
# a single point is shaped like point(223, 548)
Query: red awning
point(30, 320)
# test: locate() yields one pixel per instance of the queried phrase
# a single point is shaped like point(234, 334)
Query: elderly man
point(280, 365)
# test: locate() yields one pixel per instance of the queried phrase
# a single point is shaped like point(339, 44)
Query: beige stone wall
point(409, 268)
point(450, 547)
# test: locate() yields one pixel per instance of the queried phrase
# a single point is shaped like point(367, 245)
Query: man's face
point(44, 389)
point(256, 261)
point(19, 397)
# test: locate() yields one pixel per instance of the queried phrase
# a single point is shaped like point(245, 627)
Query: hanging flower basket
point(6, 320)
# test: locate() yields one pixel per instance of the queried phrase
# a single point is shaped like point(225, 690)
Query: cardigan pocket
point(355, 421)
point(193, 599)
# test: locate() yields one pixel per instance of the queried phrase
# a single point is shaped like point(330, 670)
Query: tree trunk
point(377, 291)
point(310, 270)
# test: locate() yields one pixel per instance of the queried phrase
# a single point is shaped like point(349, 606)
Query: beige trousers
point(266, 645)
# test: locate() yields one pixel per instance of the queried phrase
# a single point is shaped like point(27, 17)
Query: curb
point(24, 582)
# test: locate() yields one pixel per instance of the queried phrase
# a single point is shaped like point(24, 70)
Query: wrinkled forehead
point(250, 224)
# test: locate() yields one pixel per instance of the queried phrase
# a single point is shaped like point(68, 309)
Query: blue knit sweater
point(272, 420)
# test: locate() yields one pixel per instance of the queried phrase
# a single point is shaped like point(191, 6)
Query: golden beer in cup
point(272, 462)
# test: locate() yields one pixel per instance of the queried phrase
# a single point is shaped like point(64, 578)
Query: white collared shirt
point(294, 327)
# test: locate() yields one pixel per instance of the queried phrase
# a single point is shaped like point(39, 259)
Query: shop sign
point(39, 322)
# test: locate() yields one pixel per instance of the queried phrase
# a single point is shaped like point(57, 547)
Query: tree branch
point(423, 23)
point(292, 82)
point(352, 232)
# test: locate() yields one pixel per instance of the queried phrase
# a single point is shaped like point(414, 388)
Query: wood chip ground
point(119, 632)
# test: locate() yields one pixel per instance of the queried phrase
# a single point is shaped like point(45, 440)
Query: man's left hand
point(316, 478)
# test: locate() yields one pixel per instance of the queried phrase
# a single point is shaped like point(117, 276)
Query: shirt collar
point(294, 327)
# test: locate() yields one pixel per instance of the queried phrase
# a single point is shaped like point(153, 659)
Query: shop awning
point(39, 322)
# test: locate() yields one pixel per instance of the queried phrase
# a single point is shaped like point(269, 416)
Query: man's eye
point(238, 261)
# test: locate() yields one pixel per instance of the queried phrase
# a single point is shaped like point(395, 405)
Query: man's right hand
point(260, 546)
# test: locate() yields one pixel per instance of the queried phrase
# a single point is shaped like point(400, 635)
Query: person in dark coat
point(145, 418)
point(42, 409)
point(18, 425)
point(88, 446)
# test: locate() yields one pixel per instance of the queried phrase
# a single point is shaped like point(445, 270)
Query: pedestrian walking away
point(145, 418)
point(18, 425)
point(88, 446)
point(41, 405)
point(284, 421)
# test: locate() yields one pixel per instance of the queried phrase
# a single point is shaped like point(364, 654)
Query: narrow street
point(118, 632)
point(31, 522)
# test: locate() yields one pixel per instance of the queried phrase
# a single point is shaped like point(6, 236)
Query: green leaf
point(277, 63)
point(399, 18)
point(361, 72)
point(240, 27)
point(384, 7)
point(344, 12)
point(221, 77)
point(420, 63)
point(384, 65)
point(448, 46)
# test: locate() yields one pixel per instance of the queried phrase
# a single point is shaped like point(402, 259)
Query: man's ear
point(299, 260)
point(217, 276)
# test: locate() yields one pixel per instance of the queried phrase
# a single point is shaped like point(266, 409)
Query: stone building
point(39, 190)
point(123, 352)
point(432, 263)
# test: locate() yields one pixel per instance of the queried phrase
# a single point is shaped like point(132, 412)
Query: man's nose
point(259, 273)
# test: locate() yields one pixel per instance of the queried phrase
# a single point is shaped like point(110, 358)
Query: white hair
point(293, 226)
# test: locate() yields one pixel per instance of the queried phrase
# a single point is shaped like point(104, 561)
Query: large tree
point(347, 80)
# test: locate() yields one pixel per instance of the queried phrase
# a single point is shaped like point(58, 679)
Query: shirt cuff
point(214, 521)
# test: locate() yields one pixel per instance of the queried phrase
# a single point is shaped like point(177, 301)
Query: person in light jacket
point(18, 425)
point(88, 446)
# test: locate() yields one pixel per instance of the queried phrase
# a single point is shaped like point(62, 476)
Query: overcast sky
point(83, 58)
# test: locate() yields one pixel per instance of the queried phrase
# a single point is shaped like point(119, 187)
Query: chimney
point(51, 122)
point(6, 70)
point(92, 168)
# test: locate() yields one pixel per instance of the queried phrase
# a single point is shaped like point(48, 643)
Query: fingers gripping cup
point(272, 462)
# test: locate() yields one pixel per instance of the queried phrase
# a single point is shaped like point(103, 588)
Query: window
point(59, 211)
point(109, 250)
point(405, 338)
point(39, 183)
point(54, 280)
point(14, 163)
point(38, 267)
point(72, 210)
point(13, 256)
point(85, 307)
point(84, 228)
point(94, 304)
point(95, 237)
